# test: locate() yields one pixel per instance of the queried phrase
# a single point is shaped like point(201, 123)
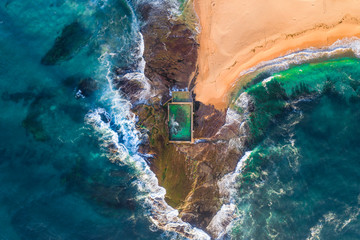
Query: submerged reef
point(72, 38)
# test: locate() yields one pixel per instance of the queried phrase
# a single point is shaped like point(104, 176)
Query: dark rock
point(202, 205)
point(86, 87)
point(130, 87)
point(170, 49)
point(188, 172)
point(83, 86)
point(207, 120)
point(105, 117)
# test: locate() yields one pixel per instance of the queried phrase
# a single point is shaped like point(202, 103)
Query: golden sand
point(239, 34)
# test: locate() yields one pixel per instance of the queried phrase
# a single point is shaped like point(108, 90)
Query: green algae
point(181, 96)
point(169, 164)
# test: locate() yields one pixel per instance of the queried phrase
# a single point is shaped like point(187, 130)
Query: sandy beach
point(239, 34)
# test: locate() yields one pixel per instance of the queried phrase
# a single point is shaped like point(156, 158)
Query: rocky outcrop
point(189, 172)
point(86, 87)
point(170, 49)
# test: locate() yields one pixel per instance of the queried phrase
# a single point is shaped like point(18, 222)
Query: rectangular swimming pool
point(180, 121)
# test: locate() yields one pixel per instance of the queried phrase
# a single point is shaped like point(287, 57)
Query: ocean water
point(57, 180)
point(302, 177)
point(69, 167)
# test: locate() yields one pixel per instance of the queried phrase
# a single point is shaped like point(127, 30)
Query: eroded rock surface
point(189, 172)
point(170, 49)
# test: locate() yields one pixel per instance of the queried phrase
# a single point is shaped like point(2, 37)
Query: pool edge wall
point(191, 122)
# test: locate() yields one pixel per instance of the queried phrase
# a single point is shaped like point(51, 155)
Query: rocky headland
point(189, 172)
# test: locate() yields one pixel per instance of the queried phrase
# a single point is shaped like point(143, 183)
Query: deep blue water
point(55, 180)
point(302, 179)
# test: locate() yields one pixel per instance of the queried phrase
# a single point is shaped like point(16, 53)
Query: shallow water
point(301, 180)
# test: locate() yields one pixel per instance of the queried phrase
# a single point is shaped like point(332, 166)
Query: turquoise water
point(56, 180)
point(301, 180)
point(60, 116)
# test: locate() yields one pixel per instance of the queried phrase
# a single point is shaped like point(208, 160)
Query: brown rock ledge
point(189, 172)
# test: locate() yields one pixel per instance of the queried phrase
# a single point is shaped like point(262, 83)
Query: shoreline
point(172, 211)
point(221, 61)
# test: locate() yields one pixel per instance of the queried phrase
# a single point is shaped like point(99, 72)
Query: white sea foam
point(121, 139)
point(172, 6)
point(282, 63)
point(337, 221)
point(223, 220)
point(115, 125)
point(221, 223)
point(122, 150)
point(315, 231)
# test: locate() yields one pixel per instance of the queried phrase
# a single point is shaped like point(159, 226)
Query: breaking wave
point(346, 46)
point(115, 125)
point(223, 222)
point(220, 225)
